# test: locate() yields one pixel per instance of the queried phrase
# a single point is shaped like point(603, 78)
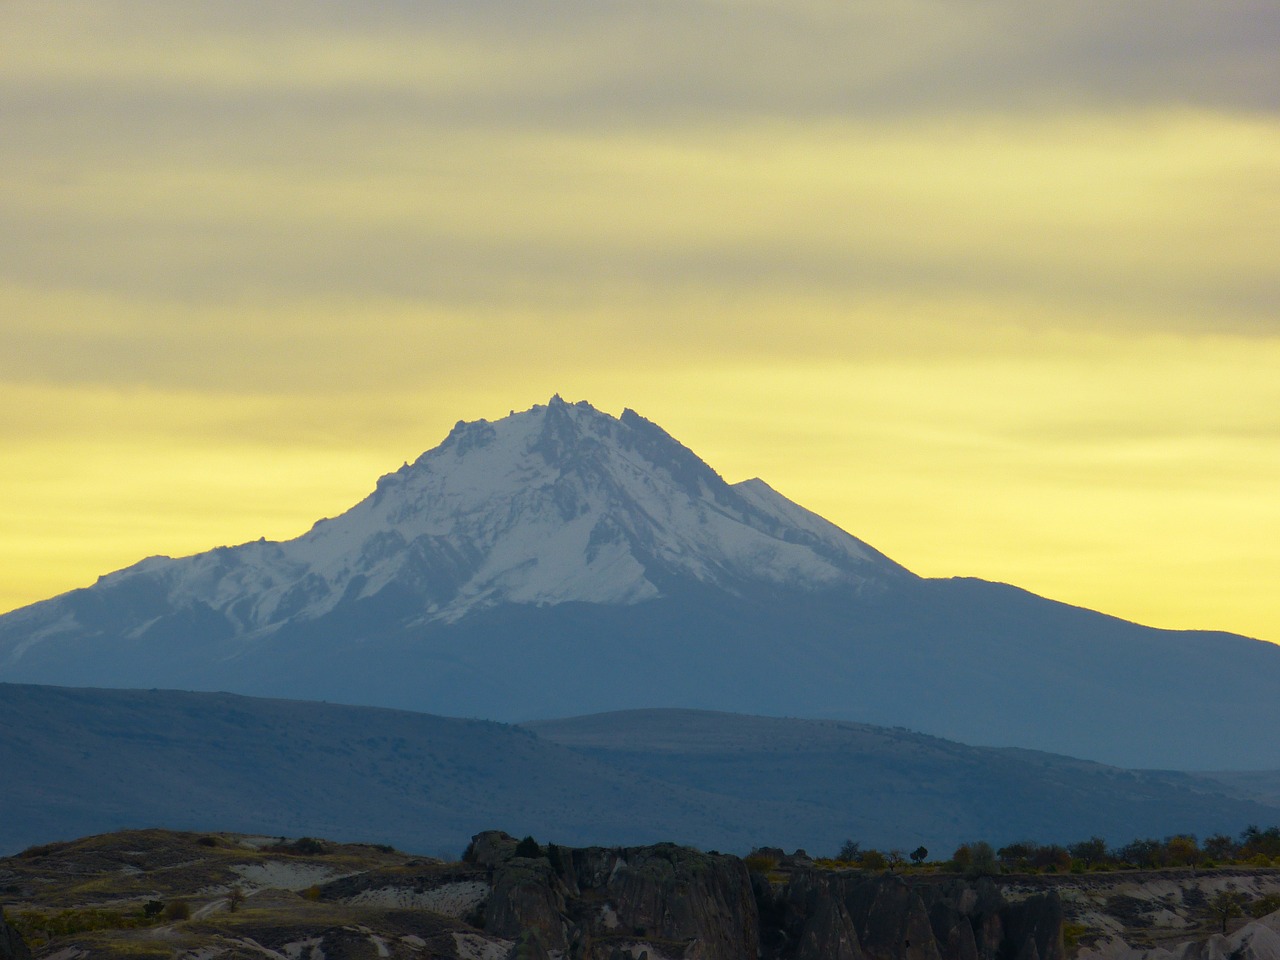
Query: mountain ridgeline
point(561, 561)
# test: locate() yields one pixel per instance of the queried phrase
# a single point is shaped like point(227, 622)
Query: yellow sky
point(996, 293)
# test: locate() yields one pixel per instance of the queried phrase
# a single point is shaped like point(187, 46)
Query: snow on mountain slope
point(557, 503)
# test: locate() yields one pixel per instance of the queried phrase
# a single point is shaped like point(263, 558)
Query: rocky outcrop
point(670, 901)
point(596, 903)
point(891, 919)
point(808, 914)
point(528, 897)
point(1033, 929)
point(12, 946)
point(828, 934)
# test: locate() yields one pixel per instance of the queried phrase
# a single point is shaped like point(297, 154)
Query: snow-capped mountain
point(563, 561)
point(558, 503)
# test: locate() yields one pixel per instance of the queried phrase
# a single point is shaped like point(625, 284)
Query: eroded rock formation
point(670, 901)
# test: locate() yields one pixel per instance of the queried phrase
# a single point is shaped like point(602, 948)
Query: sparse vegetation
point(303, 846)
point(176, 910)
point(760, 863)
point(37, 926)
point(1072, 934)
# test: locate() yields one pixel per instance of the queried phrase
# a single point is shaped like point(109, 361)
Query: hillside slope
point(80, 761)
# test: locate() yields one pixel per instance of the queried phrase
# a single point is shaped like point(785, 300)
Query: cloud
point(466, 247)
point(574, 61)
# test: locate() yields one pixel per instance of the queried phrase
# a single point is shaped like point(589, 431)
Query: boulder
point(490, 848)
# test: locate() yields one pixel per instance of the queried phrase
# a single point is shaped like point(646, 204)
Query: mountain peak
point(557, 503)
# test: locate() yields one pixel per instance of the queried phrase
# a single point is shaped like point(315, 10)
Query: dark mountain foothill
point(80, 760)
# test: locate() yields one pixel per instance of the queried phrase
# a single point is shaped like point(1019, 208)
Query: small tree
point(1225, 905)
point(982, 860)
point(1091, 851)
point(235, 897)
point(1017, 856)
point(919, 855)
point(849, 851)
point(1220, 847)
point(1051, 857)
point(1182, 850)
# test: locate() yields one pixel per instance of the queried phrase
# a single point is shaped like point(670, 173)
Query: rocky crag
point(672, 902)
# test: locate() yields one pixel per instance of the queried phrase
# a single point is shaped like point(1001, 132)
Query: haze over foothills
point(991, 285)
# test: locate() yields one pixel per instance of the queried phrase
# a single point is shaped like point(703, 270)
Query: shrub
point(757, 863)
point(308, 845)
point(1071, 934)
point(177, 910)
point(36, 925)
point(982, 860)
point(873, 860)
point(1265, 904)
point(528, 847)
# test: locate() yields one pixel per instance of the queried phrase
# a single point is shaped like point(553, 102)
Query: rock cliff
point(808, 914)
point(670, 901)
point(599, 903)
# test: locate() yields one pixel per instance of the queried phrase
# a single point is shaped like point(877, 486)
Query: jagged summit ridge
point(557, 503)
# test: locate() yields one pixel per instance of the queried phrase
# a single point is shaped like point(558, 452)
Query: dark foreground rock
point(807, 914)
point(600, 903)
point(12, 946)
point(669, 901)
